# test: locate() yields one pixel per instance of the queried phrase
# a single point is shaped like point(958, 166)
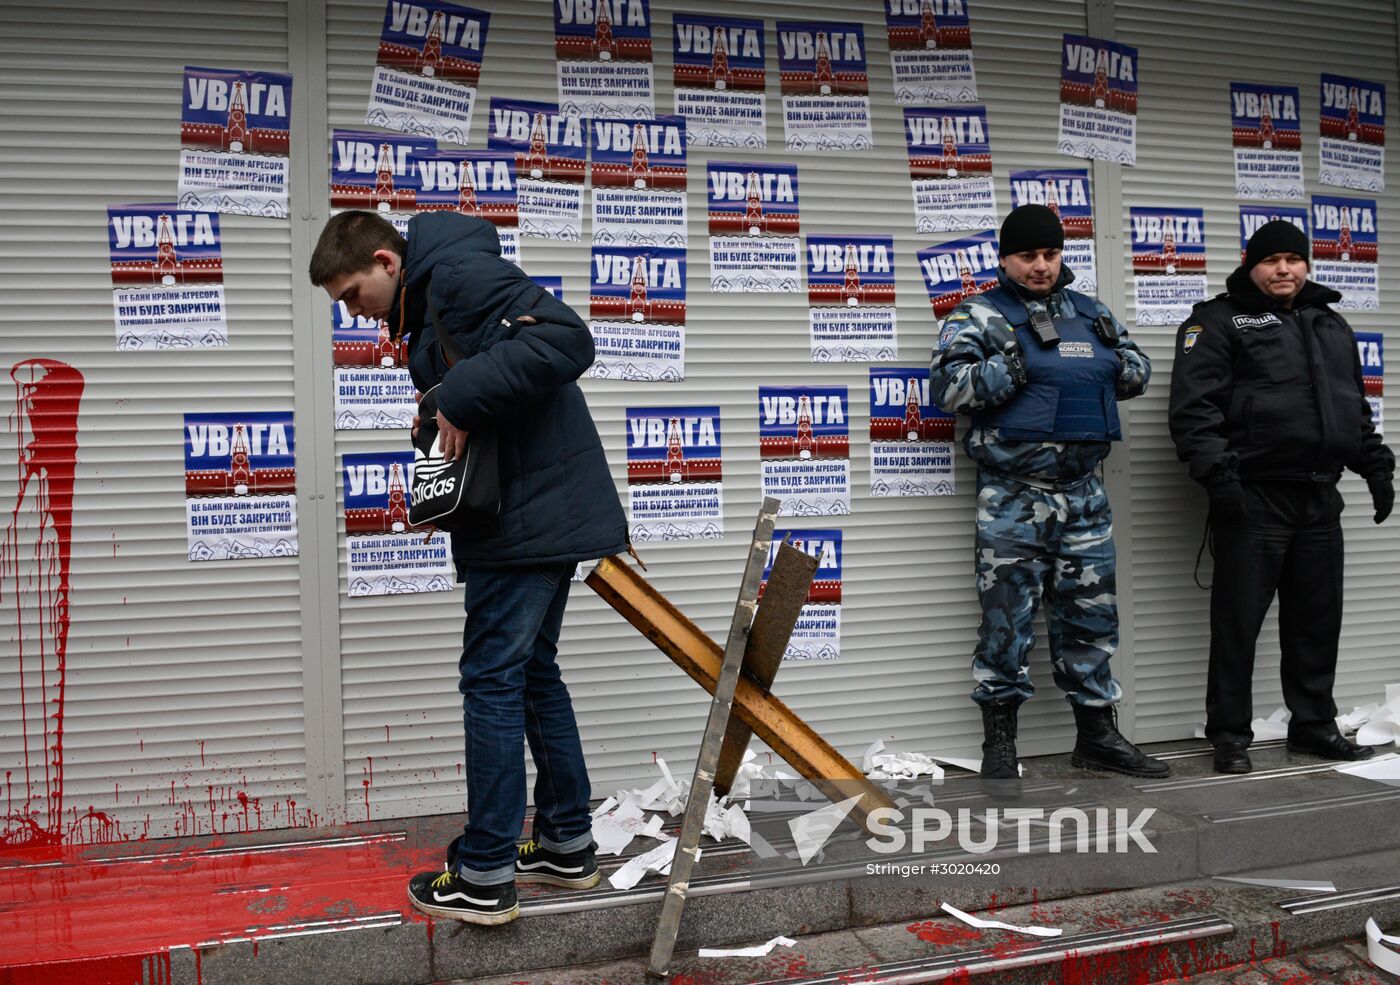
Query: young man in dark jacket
point(1267, 408)
point(521, 352)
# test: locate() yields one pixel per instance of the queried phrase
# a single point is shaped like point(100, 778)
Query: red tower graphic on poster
point(804, 444)
point(1353, 117)
point(638, 304)
point(1169, 243)
point(538, 148)
point(1052, 198)
point(969, 285)
point(950, 147)
point(675, 453)
point(429, 62)
point(824, 78)
point(1101, 78)
point(466, 189)
point(851, 288)
point(1266, 126)
point(602, 32)
point(753, 212)
point(398, 501)
point(640, 169)
point(240, 468)
point(1344, 237)
point(237, 126)
point(384, 178)
point(719, 60)
point(928, 25)
point(389, 352)
point(167, 262)
point(912, 417)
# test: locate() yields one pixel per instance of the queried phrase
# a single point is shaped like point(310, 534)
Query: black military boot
point(999, 741)
point(1100, 746)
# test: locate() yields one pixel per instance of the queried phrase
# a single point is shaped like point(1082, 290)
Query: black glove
point(1010, 349)
point(1226, 502)
point(1382, 496)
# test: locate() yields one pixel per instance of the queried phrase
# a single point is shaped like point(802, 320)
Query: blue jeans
point(512, 692)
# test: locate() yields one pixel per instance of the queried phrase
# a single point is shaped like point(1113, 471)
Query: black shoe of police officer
point(999, 741)
point(1232, 757)
point(1328, 745)
point(1100, 746)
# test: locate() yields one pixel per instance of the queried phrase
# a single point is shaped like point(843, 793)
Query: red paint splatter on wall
point(34, 567)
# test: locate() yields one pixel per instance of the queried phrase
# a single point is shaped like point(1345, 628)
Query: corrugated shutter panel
point(1189, 56)
point(184, 681)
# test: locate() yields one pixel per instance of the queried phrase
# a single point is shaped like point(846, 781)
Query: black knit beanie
point(1031, 227)
point(1275, 236)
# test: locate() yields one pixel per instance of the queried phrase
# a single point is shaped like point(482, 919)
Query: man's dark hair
point(348, 243)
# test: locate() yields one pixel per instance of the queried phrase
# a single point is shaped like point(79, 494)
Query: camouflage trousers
point(1031, 540)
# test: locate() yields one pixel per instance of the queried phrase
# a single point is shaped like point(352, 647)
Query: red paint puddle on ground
point(942, 932)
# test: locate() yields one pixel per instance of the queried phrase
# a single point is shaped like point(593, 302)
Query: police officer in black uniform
point(1268, 408)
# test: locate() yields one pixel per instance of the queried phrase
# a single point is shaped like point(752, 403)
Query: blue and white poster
point(1268, 141)
point(377, 172)
point(240, 486)
point(1098, 99)
point(639, 178)
point(930, 52)
point(476, 183)
point(753, 212)
point(427, 68)
point(804, 447)
point(675, 468)
point(1351, 144)
point(950, 164)
point(384, 555)
point(719, 79)
point(235, 135)
point(1065, 192)
point(1370, 347)
point(956, 270)
point(1345, 250)
point(825, 85)
point(911, 439)
point(167, 277)
point(603, 51)
point(817, 633)
point(637, 313)
point(551, 158)
point(1169, 263)
point(851, 294)
point(1254, 216)
point(373, 390)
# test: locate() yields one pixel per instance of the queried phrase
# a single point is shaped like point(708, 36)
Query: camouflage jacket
point(970, 374)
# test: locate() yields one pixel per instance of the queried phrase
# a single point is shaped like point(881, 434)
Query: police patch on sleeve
point(950, 328)
point(1188, 341)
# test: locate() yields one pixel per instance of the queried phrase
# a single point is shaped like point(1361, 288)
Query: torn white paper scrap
point(810, 831)
point(981, 924)
point(1273, 727)
point(902, 766)
point(758, 951)
point(653, 827)
point(1382, 769)
point(1302, 885)
point(1381, 956)
point(605, 806)
point(867, 761)
point(610, 836)
point(657, 860)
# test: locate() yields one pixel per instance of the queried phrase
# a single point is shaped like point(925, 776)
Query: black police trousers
point(1289, 544)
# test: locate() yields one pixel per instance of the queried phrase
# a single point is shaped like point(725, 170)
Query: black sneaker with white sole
point(443, 895)
point(574, 870)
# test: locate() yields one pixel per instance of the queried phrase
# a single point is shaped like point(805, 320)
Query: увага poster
point(383, 554)
point(639, 177)
point(804, 443)
point(754, 248)
point(824, 83)
point(1169, 263)
point(957, 270)
point(930, 52)
point(1065, 192)
point(372, 387)
point(426, 72)
point(1344, 250)
point(475, 183)
point(1254, 216)
point(551, 163)
point(240, 486)
point(674, 474)
point(1351, 145)
point(950, 164)
point(377, 171)
point(1370, 347)
point(911, 440)
point(637, 313)
point(1098, 99)
point(851, 292)
point(719, 80)
point(235, 134)
point(1268, 141)
point(603, 48)
point(167, 277)
point(817, 633)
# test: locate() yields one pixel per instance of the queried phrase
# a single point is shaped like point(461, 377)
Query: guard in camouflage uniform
point(1040, 368)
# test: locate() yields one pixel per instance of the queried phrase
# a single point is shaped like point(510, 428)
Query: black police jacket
point(1260, 392)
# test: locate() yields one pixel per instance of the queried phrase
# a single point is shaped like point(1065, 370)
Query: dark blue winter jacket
point(558, 500)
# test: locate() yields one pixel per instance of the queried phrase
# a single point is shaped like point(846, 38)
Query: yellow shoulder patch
point(1188, 341)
